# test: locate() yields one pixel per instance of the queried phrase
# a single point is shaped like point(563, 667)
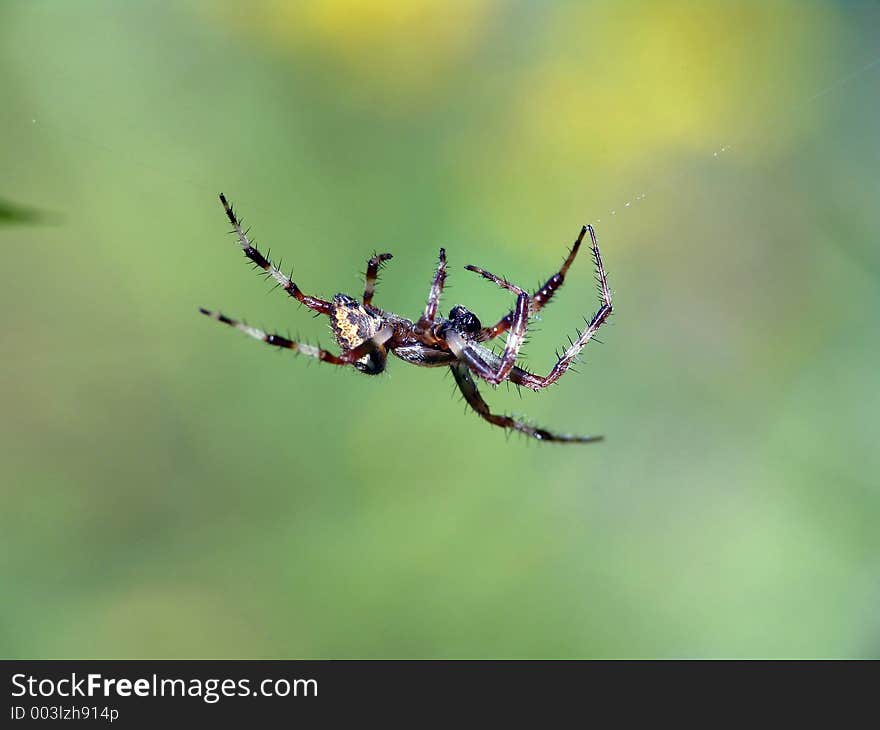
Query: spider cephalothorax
point(462, 320)
point(366, 334)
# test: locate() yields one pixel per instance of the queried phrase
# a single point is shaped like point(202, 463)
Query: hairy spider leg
point(347, 357)
point(536, 382)
point(499, 280)
point(372, 276)
point(427, 319)
point(284, 281)
point(541, 297)
point(468, 389)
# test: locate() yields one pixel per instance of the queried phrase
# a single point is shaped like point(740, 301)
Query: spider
point(366, 334)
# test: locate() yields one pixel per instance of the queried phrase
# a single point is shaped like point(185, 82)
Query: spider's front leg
point(284, 281)
point(536, 382)
point(542, 296)
point(468, 388)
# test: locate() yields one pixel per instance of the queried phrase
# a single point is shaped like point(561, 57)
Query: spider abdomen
point(353, 325)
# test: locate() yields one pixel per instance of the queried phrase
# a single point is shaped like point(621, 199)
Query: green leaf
point(11, 213)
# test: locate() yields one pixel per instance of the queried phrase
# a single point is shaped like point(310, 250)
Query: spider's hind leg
point(263, 262)
point(372, 276)
point(468, 389)
point(368, 357)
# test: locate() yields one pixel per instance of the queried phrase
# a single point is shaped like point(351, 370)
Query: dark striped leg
point(543, 295)
point(427, 319)
point(372, 275)
point(284, 281)
point(347, 357)
point(468, 388)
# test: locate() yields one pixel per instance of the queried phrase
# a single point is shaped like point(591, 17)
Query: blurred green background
point(173, 489)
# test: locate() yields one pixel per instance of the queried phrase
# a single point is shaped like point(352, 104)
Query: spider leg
point(515, 338)
point(372, 275)
point(427, 319)
point(541, 297)
point(499, 280)
point(347, 357)
point(468, 389)
point(536, 382)
point(284, 281)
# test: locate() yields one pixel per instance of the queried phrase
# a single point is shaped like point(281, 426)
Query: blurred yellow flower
point(390, 45)
point(672, 72)
point(615, 87)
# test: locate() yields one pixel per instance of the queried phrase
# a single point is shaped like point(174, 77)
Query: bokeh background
point(173, 489)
